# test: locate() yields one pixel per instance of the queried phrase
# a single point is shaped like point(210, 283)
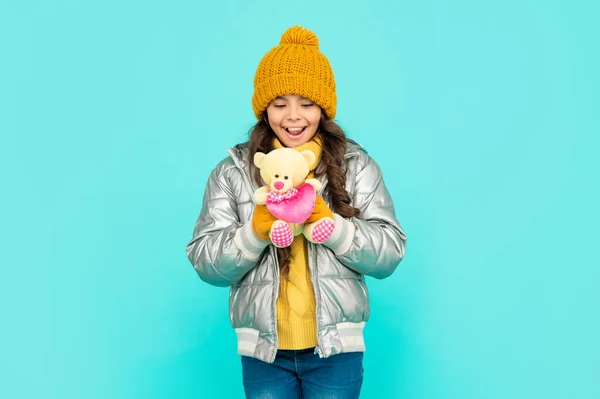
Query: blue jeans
point(303, 374)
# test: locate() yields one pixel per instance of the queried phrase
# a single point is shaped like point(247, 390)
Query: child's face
point(294, 119)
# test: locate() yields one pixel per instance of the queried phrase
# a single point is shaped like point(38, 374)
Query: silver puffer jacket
point(225, 252)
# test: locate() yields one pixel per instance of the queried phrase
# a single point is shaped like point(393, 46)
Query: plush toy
point(291, 197)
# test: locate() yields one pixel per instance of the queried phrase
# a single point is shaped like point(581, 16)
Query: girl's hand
point(320, 224)
point(321, 211)
point(262, 221)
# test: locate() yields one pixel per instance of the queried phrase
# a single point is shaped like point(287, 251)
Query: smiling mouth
point(295, 131)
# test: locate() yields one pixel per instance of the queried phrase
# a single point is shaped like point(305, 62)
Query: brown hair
point(333, 165)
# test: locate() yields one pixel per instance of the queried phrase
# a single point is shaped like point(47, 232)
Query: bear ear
point(258, 159)
point(309, 156)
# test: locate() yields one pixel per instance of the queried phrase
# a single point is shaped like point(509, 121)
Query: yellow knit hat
point(297, 67)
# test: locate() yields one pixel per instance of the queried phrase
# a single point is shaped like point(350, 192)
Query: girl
point(299, 311)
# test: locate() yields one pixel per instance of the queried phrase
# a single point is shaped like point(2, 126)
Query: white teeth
point(294, 129)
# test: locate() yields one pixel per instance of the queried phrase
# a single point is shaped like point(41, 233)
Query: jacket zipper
point(313, 280)
point(275, 297)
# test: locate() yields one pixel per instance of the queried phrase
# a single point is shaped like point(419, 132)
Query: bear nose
point(278, 185)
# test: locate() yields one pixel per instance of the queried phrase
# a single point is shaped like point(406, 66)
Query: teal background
point(482, 115)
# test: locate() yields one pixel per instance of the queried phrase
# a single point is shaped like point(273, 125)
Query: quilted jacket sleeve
point(373, 243)
point(223, 248)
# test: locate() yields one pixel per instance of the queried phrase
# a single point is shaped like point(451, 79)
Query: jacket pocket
point(233, 297)
point(343, 299)
point(367, 301)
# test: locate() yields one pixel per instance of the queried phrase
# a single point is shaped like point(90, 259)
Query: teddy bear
point(291, 197)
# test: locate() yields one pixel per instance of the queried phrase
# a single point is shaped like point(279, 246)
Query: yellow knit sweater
point(296, 317)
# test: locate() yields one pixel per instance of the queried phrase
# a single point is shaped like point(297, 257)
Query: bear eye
point(277, 176)
point(285, 177)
